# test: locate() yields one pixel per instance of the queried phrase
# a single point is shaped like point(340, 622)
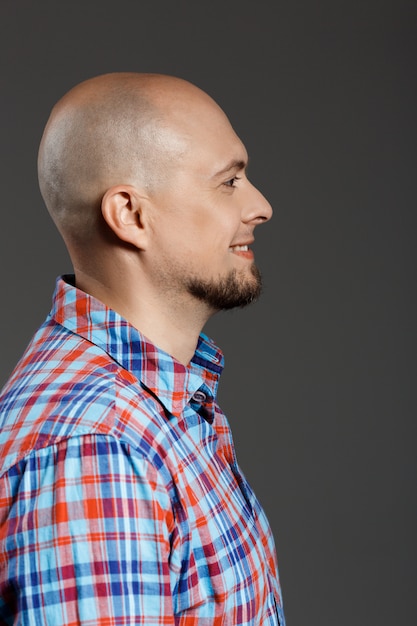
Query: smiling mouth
point(244, 252)
point(239, 248)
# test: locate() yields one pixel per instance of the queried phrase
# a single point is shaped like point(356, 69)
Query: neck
point(170, 322)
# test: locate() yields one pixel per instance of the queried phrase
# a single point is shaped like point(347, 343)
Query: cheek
point(199, 227)
point(220, 223)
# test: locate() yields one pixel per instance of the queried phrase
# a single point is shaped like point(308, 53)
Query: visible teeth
point(240, 248)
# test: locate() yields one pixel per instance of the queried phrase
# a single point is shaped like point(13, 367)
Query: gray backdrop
point(319, 384)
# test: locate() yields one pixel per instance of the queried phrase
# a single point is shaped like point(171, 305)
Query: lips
point(244, 248)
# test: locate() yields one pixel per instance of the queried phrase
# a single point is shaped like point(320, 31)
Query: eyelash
point(232, 181)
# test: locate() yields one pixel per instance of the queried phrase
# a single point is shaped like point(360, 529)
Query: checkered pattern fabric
point(121, 501)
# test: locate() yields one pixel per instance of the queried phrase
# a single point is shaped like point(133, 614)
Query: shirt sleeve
point(88, 538)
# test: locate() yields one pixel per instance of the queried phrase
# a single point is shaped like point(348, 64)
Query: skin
point(146, 180)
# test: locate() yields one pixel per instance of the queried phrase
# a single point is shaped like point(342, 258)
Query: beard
point(235, 290)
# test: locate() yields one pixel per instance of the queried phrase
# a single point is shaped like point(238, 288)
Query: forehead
point(212, 145)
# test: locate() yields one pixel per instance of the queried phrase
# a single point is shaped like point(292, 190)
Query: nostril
point(263, 218)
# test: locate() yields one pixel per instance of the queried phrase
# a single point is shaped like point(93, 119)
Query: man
point(121, 498)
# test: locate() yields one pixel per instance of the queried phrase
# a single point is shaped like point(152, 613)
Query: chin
point(237, 289)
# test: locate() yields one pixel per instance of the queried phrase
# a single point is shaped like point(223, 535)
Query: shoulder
point(65, 386)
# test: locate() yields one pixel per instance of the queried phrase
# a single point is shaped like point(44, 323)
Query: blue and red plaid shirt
point(121, 501)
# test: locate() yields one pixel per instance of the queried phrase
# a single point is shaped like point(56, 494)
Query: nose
point(257, 209)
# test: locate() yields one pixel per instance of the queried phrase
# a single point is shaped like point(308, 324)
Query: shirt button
point(199, 396)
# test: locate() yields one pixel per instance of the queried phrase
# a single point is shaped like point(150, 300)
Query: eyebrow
point(234, 164)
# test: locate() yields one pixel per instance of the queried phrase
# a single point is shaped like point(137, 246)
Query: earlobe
point(123, 209)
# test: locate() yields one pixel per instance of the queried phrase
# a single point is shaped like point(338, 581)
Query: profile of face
point(207, 213)
point(169, 144)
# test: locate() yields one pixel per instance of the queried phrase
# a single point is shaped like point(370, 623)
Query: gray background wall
point(320, 374)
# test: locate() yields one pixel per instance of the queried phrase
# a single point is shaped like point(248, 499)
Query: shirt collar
point(171, 382)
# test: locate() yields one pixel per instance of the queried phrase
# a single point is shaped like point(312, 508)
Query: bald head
point(113, 129)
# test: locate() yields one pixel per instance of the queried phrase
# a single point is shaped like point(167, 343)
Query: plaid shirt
point(121, 501)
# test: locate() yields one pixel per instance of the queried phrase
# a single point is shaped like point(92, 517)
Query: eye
point(232, 181)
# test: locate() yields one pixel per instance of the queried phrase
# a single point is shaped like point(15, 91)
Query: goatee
point(237, 289)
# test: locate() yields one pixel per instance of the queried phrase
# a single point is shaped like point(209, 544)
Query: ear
point(124, 210)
